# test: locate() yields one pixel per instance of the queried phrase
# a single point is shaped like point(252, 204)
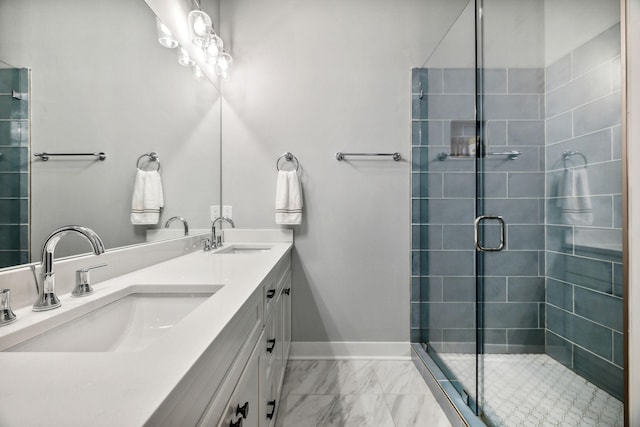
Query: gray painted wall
point(102, 82)
point(315, 78)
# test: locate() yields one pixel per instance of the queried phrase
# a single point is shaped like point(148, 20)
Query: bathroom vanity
point(198, 339)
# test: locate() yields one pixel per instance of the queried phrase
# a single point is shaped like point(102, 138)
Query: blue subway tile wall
point(14, 167)
point(443, 210)
point(583, 257)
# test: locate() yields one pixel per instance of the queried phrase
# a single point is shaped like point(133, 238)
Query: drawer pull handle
point(271, 293)
point(287, 291)
point(236, 424)
point(243, 410)
point(271, 342)
point(273, 409)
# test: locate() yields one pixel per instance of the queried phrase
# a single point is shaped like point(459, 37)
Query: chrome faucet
point(179, 218)
point(218, 241)
point(224, 218)
point(47, 299)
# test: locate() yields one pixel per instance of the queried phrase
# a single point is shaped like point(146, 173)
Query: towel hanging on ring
point(288, 198)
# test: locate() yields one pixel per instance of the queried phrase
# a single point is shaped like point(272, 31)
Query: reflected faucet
point(47, 299)
point(179, 218)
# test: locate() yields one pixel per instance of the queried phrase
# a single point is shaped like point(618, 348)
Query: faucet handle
point(6, 315)
point(83, 285)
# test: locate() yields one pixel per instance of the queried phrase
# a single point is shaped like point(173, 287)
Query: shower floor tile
point(535, 390)
point(360, 393)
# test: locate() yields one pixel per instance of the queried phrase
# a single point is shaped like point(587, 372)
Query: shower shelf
point(512, 155)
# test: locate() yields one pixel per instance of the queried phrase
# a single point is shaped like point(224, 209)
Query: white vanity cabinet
point(249, 395)
point(275, 348)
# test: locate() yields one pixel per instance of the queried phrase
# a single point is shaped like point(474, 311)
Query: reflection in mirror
point(100, 81)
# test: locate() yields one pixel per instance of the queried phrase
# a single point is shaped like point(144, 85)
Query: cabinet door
point(243, 409)
point(286, 321)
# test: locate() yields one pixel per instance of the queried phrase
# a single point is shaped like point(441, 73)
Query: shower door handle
point(476, 226)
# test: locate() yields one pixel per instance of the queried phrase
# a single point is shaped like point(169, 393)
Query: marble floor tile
point(399, 377)
point(416, 410)
point(334, 411)
point(331, 377)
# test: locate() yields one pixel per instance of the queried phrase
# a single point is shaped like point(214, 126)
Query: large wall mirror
point(80, 76)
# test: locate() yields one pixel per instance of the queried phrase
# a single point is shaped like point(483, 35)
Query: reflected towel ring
point(566, 155)
point(288, 157)
point(153, 156)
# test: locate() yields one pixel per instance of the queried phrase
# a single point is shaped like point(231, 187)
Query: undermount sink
point(244, 249)
point(127, 321)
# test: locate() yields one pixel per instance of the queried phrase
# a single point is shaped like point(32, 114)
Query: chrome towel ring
point(288, 157)
point(566, 155)
point(153, 157)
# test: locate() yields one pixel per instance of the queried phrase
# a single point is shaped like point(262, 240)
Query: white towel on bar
point(147, 200)
point(574, 197)
point(288, 198)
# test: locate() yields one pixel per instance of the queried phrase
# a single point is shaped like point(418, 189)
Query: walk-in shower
point(14, 165)
point(517, 292)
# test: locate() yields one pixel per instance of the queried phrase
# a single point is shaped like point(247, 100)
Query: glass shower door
point(548, 225)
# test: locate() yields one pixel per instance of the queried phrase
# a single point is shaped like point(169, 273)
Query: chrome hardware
point(289, 158)
point(395, 156)
point(185, 224)
point(47, 299)
point(271, 342)
point(221, 219)
point(6, 315)
point(243, 410)
point(273, 410)
point(512, 155)
point(286, 291)
point(271, 293)
point(236, 424)
point(476, 225)
point(83, 281)
point(206, 244)
point(153, 156)
point(45, 156)
point(566, 155)
point(212, 242)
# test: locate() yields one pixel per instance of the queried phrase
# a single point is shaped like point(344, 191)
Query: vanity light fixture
point(223, 65)
point(197, 73)
point(184, 59)
point(215, 46)
point(200, 28)
point(165, 38)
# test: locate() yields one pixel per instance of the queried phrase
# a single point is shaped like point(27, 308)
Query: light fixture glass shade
point(165, 38)
point(197, 73)
point(183, 58)
point(223, 65)
point(200, 27)
point(215, 45)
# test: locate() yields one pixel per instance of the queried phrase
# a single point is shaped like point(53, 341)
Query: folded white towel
point(574, 197)
point(288, 198)
point(147, 200)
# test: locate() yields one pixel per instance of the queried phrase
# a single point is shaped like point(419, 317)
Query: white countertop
point(124, 389)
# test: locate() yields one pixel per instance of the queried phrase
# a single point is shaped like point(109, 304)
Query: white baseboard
point(308, 350)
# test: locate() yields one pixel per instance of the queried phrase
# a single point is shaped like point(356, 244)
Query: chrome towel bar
point(396, 156)
point(511, 154)
point(566, 155)
point(45, 156)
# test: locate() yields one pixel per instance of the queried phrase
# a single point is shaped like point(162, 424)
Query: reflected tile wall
point(443, 210)
point(14, 167)
point(584, 271)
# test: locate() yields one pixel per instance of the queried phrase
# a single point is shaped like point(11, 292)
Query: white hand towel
point(147, 200)
point(288, 198)
point(574, 197)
